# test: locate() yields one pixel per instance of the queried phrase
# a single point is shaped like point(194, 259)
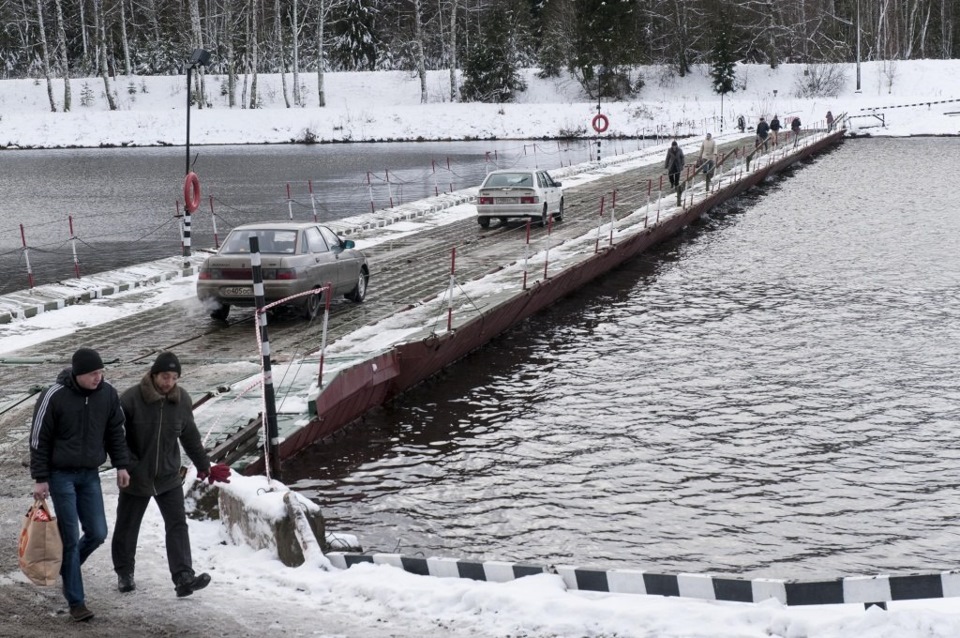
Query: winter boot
point(187, 582)
point(125, 583)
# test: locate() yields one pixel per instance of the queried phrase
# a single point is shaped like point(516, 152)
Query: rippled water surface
point(774, 393)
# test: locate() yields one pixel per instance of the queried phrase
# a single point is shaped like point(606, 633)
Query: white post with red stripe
point(73, 247)
point(26, 255)
point(453, 281)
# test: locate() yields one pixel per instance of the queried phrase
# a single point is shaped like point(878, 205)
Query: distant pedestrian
point(708, 148)
point(829, 121)
point(795, 127)
point(763, 130)
point(77, 422)
point(674, 163)
point(742, 124)
point(775, 128)
point(160, 420)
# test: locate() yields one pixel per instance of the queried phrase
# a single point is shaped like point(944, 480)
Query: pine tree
point(722, 62)
point(355, 42)
point(491, 67)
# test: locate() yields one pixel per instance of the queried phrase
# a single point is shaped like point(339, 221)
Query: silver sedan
point(295, 258)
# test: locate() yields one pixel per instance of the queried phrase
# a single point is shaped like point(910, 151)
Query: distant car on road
point(294, 257)
point(519, 193)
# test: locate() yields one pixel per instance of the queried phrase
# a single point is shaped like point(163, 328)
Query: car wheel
point(545, 216)
point(220, 314)
point(559, 215)
point(311, 306)
point(360, 291)
point(484, 222)
point(503, 221)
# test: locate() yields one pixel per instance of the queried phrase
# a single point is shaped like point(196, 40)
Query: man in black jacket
point(77, 421)
point(160, 419)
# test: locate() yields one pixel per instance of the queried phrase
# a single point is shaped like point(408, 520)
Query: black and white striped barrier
point(854, 589)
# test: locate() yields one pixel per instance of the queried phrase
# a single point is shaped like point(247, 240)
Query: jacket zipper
point(153, 479)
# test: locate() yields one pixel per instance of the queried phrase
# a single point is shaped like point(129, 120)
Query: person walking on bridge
point(763, 130)
point(77, 422)
point(775, 128)
point(795, 127)
point(674, 164)
point(160, 420)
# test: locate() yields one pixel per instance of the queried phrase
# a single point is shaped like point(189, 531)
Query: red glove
point(219, 473)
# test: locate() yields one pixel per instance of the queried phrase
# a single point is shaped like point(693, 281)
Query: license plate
point(237, 291)
point(508, 200)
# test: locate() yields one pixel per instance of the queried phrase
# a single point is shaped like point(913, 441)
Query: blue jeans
point(78, 502)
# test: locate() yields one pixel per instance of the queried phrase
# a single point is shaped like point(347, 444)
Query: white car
point(519, 193)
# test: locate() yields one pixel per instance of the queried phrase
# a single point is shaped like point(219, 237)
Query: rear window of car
point(509, 179)
point(278, 242)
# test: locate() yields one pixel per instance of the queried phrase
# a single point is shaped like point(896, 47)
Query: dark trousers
point(674, 178)
point(130, 511)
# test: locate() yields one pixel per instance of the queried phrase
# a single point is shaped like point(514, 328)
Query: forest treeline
point(488, 41)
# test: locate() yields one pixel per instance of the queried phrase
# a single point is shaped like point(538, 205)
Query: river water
point(773, 393)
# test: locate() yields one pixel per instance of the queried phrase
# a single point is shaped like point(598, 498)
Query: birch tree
point(64, 56)
point(278, 34)
point(45, 56)
point(102, 51)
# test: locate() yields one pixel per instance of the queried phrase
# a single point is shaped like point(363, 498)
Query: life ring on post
point(600, 123)
point(191, 192)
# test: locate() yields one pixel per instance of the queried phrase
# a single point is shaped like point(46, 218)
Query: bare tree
point(45, 56)
point(295, 37)
point(102, 53)
point(196, 39)
point(231, 62)
point(64, 56)
point(123, 37)
point(418, 49)
point(452, 50)
point(278, 34)
point(253, 44)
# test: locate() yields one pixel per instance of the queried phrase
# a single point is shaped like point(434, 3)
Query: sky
point(252, 586)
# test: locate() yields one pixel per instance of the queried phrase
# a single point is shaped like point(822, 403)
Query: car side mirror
point(348, 244)
point(558, 184)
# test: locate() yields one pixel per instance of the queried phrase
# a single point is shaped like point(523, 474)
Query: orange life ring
point(191, 192)
point(600, 123)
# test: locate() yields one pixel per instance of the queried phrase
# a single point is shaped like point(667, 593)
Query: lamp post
point(199, 57)
point(858, 46)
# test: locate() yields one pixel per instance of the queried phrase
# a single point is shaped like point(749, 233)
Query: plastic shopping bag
point(41, 550)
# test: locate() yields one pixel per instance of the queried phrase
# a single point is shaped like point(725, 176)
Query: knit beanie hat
point(166, 362)
point(86, 360)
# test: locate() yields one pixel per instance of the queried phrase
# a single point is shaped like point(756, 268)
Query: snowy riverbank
point(914, 97)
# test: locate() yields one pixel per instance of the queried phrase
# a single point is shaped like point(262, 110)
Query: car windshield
point(279, 242)
point(509, 179)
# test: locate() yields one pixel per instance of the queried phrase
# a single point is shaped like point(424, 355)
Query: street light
point(199, 57)
point(858, 46)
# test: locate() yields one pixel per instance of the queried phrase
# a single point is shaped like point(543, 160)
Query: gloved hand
point(219, 473)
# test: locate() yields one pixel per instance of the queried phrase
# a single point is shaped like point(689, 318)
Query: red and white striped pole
point(313, 200)
point(389, 187)
point(526, 254)
point(436, 187)
point(26, 255)
point(453, 268)
point(327, 293)
point(370, 189)
point(546, 252)
point(613, 213)
point(213, 217)
point(596, 247)
point(646, 214)
point(73, 246)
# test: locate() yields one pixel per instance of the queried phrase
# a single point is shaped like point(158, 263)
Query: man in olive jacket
point(159, 418)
